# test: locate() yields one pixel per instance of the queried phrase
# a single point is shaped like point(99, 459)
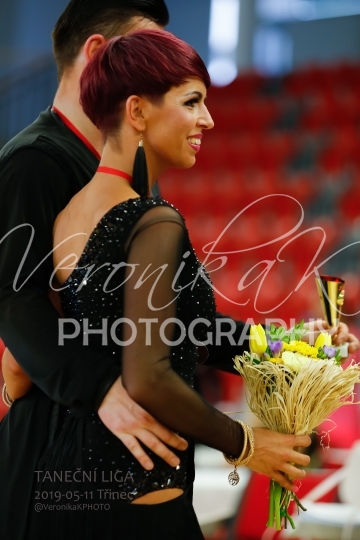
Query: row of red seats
point(322, 79)
point(271, 151)
point(341, 149)
point(237, 167)
point(279, 296)
point(264, 233)
point(255, 114)
point(349, 204)
point(326, 114)
point(224, 193)
point(306, 80)
point(241, 150)
point(261, 115)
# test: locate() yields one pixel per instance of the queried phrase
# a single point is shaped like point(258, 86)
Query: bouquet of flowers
point(292, 387)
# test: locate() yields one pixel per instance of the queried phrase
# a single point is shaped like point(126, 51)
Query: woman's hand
point(275, 456)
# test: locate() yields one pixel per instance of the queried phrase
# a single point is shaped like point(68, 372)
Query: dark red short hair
point(145, 63)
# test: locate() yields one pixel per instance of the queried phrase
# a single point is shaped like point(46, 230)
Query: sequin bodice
point(96, 295)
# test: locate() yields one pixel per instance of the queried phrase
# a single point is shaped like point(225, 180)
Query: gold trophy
point(331, 292)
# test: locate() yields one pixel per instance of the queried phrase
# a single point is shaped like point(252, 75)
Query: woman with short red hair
point(130, 278)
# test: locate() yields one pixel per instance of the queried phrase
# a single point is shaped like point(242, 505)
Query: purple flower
point(275, 347)
point(329, 351)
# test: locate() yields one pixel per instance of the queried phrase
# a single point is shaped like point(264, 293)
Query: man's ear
point(92, 44)
point(136, 112)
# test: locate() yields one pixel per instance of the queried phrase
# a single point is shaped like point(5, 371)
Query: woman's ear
point(92, 44)
point(136, 112)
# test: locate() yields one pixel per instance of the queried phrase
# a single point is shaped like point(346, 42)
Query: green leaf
point(280, 333)
point(338, 358)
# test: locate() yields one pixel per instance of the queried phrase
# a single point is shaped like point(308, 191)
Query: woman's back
point(95, 294)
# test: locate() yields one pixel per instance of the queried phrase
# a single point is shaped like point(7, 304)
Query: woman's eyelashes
point(192, 102)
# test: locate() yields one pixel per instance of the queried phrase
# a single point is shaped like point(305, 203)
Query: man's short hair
point(83, 18)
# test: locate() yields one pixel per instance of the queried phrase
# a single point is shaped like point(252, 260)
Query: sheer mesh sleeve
point(155, 251)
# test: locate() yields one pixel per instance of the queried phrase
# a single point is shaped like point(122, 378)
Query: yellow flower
point(323, 339)
point(295, 361)
point(301, 347)
point(258, 343)
point(276, 360)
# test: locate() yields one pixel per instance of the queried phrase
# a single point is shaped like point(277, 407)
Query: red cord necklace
point(78, 133)
point(106, 170)
point(116, 172)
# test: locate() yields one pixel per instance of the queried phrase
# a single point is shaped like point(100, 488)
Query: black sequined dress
point(84, 463)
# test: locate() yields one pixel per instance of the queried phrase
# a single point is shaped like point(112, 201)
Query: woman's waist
point(85, 455)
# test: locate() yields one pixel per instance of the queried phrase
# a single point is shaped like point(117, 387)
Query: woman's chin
point(183, 164)
point(189, 163)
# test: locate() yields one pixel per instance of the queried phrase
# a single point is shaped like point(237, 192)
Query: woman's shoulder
point(128, 217)
point(157, 206)
point(153, 211)
point(145, 209)
point(153, 202)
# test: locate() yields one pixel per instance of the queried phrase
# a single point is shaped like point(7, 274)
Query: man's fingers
point(167, 436)
point(148, 422)
point(153, 443)
point(131, 423)
point(156, 446)
point(160, 432)
point(341, 334)
point(134, 447)
point(354, 344)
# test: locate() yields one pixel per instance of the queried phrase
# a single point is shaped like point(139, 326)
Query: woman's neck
point(123, 159)
point(116, 159)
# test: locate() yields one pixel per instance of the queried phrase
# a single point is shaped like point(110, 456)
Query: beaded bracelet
point(241, 460)
point(5, 397)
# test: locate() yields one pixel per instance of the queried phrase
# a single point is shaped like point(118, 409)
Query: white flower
point(294, 361)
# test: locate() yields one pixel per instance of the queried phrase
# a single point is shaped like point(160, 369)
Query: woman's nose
point(206, 120)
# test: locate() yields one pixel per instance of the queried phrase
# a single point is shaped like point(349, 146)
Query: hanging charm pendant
point(234, 478)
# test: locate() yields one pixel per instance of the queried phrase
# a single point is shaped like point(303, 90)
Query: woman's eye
point(191, 102)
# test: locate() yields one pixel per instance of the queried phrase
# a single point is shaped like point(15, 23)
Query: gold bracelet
point(235, 461)
point(5, 397)
point(252, 446)
point(241, 460)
